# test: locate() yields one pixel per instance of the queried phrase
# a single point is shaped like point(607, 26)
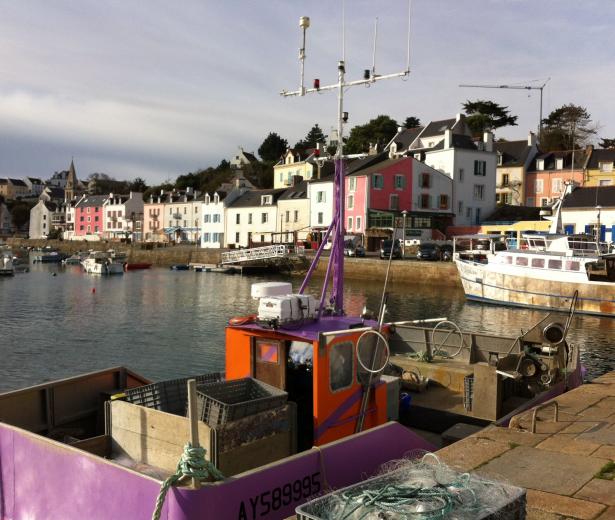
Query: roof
point(590, 197)
point(508, 213)
point(4, 181)
point(438, 127)
point(457, 141)
point(406, 137)
point(91, 201)
point(514, 153)
point(599, 156)
point(379, 166)
point(253, 198)
point(51, 206)
point(299, 191)
point(18, 182)
point(550, 159)
point(34, 180)
point(365, 162)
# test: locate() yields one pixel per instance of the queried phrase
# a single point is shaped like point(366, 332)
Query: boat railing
point(570, 246)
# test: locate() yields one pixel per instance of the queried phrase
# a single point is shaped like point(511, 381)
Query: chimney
point(189, 190)
point(393, 150)
point(531, 139)
point(458, 117)
point(488, 140)
point(448, 138)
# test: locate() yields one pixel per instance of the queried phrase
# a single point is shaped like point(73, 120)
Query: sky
point(156, 88)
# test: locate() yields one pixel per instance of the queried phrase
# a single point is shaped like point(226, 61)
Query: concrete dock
point(566, 466)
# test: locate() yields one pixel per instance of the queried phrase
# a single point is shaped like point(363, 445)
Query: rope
point(192, 464)
point(321, 459)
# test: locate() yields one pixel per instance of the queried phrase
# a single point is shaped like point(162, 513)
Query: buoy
point(54, 274)
point(242, 320)
point(93, 290)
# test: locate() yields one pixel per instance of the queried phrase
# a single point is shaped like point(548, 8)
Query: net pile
point(423, 489)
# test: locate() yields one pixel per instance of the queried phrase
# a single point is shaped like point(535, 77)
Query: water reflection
point(170, 324)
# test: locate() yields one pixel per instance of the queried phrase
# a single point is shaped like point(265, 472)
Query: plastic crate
point(225, 401)
point(168, 396)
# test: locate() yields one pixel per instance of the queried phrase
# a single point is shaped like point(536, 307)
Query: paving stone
point(511, 435)
point(609, 514)
point(568, 444)
point(549, 471)
point(471, 452)
point(537, 514)
point(605, 452)
point(597, 412)
point(580, 427)
point(565, 506)
point(604, 433)
point(608, 402)
point(598, 490)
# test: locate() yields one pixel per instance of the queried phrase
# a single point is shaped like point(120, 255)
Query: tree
point(138, 185)
point(272, 148)
point(20, 214)
point(412, 122)
point(566, 128)
point(314, 137)
point(224, 165)
point(378, 131)
point(486, 116)
point(607, 143)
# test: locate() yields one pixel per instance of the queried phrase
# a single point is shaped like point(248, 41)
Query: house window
point(477, 217)
point(262, 238)
point(237, 238)
point(80, 228)
point(480, 168)
point(559, 164)
point(96, 218)
point(264, 218)
point(89, 229)
point(119, 214)
point(296, 215)
point(207, 217)
point(320, 196)
point(556, 185)
point(320, 218)
point(206, 237)
point(606, 166)
point(207, 199)
point(377, 181)
point(469, 213)
point(352, 184)
point(424, 201)
point(89, 219)
point(185, 210)
point(216, 237)
point(461, 174)
point(394, 202)
point(443, 202)
point(350, 201)
point(400, 182)
point(505, 179)
point(358, 223)
point(287, 216)
point(544, 202)
point(540, 164)
point(479, 191)
point(266, 200)
point(425, 180)
point(460, 208)
point(249, 218)
point(237, 218)
point(185, 223)
point(88, 210)
point(216, 198)
point(349, 223)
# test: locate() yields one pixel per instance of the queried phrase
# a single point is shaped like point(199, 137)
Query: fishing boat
point(133, 266)
point(99, 263)
point(538, 270)
point(6, 263)
point(309, 401)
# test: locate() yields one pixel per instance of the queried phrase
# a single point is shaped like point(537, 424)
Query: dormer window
point(216, 198)
point(266, 200)
point(500, 159)
point(606, 166)
point(540, 164)
point(559, 164)
point(207, 199)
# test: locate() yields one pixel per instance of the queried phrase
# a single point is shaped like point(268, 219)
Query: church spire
point(71, 182)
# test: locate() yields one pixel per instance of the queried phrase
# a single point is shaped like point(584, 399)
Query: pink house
point(153, 211)
point(89, 215)
point(378, 192)
point(548, 174)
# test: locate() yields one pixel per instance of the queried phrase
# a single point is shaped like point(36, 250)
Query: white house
point(320, 196)
point(44, 217)
point(182, 216)
point(242, 158)
point(123, 216)
point(252, 219)
point(590, 210)
point(214, 215)
point(294, 212)
point(448, 146)
point(35, 185)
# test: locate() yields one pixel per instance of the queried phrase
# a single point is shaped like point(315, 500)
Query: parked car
point(447, 252)
point(429, 251)
point(385, 249)
point(353, 249)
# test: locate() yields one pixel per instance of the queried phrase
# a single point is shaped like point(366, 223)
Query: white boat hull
point(484, 282)
point(92, 267)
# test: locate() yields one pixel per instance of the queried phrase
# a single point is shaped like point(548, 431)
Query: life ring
point(242, 320)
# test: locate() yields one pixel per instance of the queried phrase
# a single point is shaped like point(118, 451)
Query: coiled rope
point(192, 464)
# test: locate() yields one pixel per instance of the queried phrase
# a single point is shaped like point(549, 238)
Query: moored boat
point(133, 266)
point(100, 263)
point(6, 263)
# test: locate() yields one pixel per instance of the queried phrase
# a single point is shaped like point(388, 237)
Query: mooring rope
point(192, 464)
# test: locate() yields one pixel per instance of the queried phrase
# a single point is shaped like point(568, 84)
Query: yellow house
point(514, 220)
point(292, 165)
point(600, 170)
point(13, 188)
point(514, 158)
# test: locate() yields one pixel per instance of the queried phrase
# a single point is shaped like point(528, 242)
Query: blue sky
point(157, 88)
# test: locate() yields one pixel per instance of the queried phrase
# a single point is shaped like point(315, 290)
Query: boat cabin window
point(521, 260)
point(508, 259)
point(538, 262)
point(341, 370)
point(301, 353)
point(555, 264)
point(572, 265)
point(268, 352)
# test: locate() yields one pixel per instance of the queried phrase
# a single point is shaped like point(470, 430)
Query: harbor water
point(58, 321)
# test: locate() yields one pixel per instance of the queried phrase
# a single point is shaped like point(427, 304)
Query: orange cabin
point(317, 365)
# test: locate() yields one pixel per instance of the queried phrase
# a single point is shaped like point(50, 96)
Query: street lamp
point(598, 228)
point(404, 213)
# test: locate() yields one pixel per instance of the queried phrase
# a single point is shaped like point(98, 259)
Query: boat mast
point(335, 266)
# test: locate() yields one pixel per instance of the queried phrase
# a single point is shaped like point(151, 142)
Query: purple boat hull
point(44, 479)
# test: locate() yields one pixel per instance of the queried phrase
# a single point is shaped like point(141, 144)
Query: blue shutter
point(613, 233)
point(569, 229)
point(588, 230)
point(602, 233)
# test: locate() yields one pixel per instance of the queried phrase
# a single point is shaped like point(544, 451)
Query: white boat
point(100, 263)
point(6, 263)
point(538, 270)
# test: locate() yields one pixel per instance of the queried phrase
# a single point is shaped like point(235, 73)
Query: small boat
point(6, 263)
point(100, 263)
point(180, 267)
point(48, 257)
point(136, 265)
point(75, 259)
